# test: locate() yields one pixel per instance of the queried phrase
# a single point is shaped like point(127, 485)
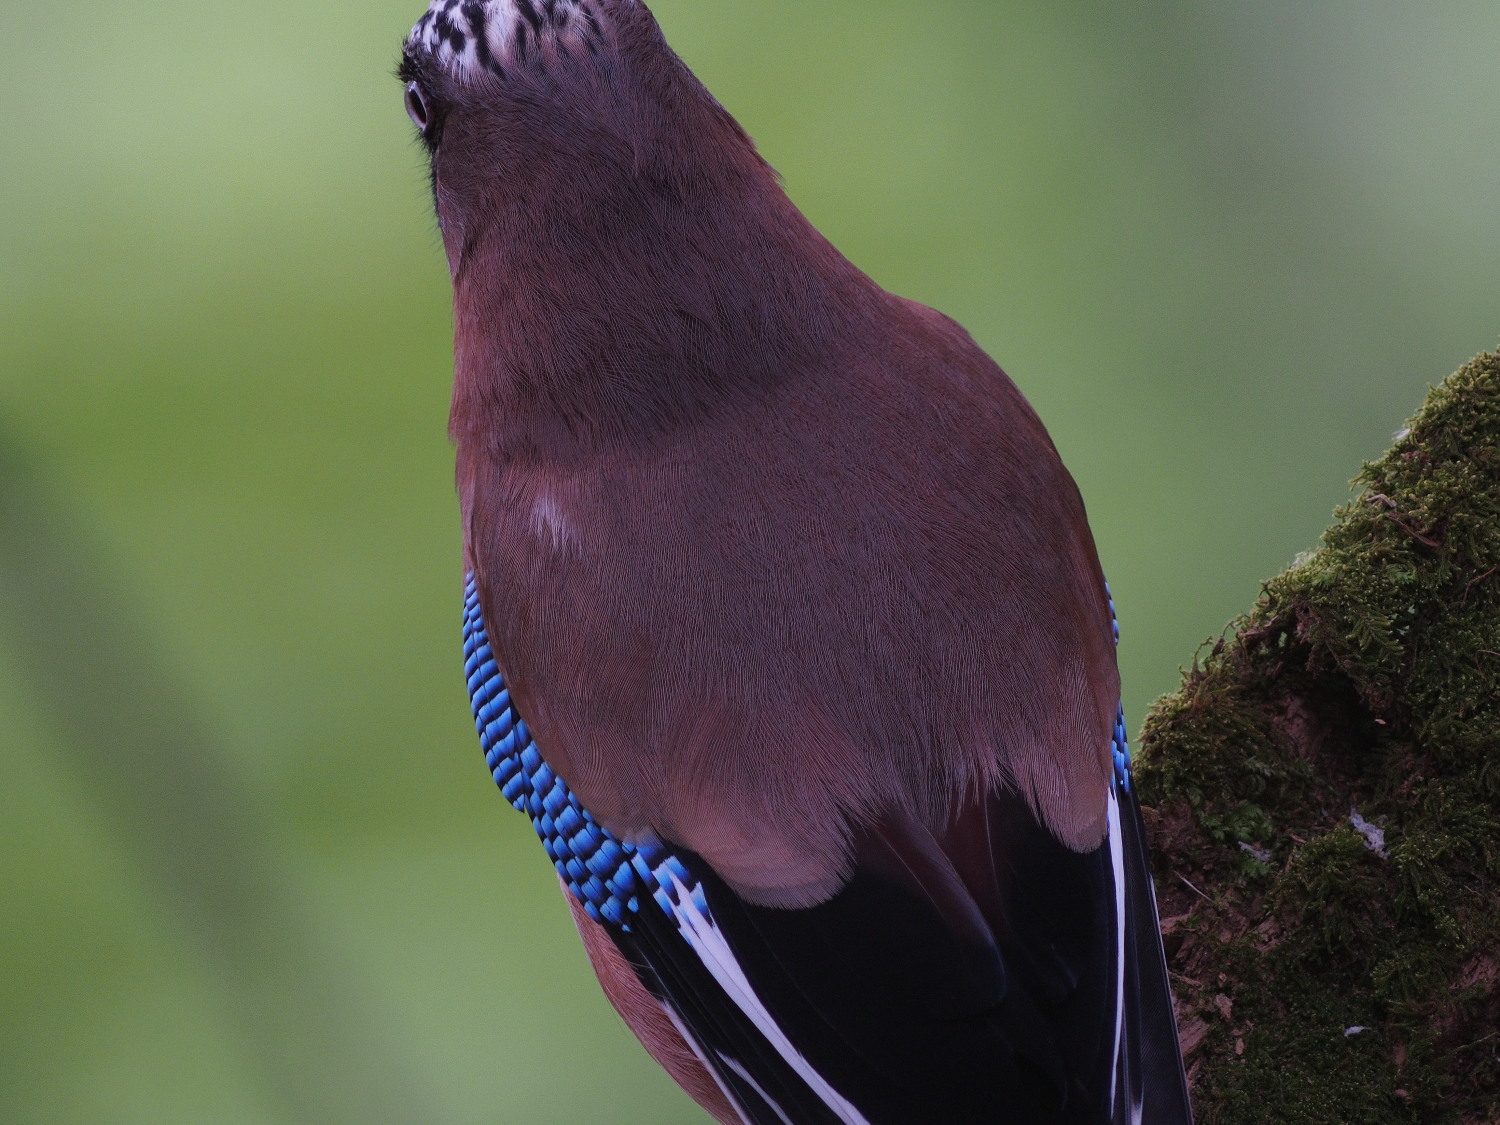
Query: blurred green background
point(251, 867)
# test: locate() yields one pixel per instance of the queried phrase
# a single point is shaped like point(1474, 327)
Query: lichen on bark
point(1323, 796)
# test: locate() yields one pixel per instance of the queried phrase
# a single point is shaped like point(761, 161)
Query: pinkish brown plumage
point(780, 569)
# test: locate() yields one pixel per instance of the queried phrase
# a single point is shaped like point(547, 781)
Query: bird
point(782, 619)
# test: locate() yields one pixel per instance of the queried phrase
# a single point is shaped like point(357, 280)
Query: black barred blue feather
point(1121, 751)
point(1120, 746)
point(606, 875)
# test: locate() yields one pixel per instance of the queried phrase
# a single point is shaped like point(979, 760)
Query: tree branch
point(1328, 783)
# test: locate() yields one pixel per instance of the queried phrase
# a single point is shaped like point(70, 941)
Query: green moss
point(1366, 677)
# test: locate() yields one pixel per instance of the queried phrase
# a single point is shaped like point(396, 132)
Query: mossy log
point(1323, 795)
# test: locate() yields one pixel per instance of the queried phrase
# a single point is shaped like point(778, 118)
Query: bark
point(1324, 797)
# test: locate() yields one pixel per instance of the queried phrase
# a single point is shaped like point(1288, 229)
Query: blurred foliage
point(1367, 677)
point(1221, 245)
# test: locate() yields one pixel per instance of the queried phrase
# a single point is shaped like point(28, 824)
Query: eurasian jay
point(782, 620)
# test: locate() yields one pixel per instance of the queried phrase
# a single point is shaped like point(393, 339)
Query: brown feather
point(648, 1019)
point(765, 552)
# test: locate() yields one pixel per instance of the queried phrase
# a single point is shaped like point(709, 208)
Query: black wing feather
point(915, 1019)
point(909, 1018)
point(1151, 1018)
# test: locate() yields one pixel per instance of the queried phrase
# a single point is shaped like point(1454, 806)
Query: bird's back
point(784, 624)
point(877, 564)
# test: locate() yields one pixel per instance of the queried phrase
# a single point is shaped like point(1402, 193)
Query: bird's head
point(619, 250)
point(548, 116)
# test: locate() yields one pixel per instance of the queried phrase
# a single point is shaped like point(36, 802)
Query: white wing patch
point(713, 1072)
point(690, 910)
point(756, 1086)
point(1117, 866)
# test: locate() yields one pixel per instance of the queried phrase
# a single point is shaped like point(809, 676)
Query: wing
point(989, 975)
point(1155, 1086)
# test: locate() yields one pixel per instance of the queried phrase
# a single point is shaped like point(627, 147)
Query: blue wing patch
point(1121, 748)
point(608, 876)
point(1121, 738)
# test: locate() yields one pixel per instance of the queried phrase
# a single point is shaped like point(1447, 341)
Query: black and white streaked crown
point(469, 37)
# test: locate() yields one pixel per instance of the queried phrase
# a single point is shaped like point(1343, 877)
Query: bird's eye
point(416, 106)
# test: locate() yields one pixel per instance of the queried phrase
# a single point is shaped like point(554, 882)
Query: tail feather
point(1154, 1084)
